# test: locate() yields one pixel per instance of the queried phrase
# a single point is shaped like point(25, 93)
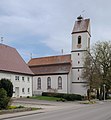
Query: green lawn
point(45, 98)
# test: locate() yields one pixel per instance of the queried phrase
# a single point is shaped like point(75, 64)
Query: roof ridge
point(51, 56)
point(6, 46)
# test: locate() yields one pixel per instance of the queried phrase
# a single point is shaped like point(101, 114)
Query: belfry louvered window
point(79, 39)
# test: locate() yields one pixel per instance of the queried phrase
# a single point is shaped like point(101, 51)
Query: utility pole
point(104, 90)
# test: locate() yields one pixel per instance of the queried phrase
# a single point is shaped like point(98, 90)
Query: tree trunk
point(101, 94)
point(89, 94)
point(98, 94)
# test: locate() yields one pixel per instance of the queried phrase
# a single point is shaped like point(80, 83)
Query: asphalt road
point(90, 112)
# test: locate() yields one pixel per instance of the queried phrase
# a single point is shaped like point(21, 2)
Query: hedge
point(68, 97)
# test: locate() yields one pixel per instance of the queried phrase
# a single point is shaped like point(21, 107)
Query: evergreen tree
point(7, 85)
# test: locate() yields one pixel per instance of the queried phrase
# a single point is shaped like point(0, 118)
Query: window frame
point(79, 40)
point(17, 78)
point(23, 90)
point(28, 90)
point(39, 83)
point(23, 79)
point(59, 82)
point(49, 83)
point(28, 79)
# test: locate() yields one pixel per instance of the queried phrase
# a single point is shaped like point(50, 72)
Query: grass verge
point(45, 98)
point(88, 102)
point(13, 109)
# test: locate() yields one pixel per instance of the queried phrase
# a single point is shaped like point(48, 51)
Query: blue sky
point(43, 27)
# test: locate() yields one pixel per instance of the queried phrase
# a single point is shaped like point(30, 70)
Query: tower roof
point(81, 25)
point(11, 61)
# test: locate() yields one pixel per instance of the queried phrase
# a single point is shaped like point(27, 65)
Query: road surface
point(89, 112)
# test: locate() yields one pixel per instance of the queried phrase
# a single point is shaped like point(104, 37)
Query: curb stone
point(8, 116)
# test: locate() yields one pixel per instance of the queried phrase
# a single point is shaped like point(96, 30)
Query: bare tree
point(97, 67)
point(89, 73)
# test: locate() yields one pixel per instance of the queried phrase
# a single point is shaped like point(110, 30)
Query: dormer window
point(79, 39)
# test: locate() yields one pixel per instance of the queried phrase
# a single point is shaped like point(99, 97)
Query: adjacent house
point(14, 68)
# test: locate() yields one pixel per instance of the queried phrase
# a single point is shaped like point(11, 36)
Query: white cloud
point(52, 19)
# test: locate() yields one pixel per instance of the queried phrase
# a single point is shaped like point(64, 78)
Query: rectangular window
point(17, 78)
point(28, 90)
point(23, 79)
point(28, 79)
point(23, 90)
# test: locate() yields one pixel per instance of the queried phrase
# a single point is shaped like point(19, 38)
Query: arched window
point(59, 82)
point(79, 39)
point(48, 83)
point(39, 83)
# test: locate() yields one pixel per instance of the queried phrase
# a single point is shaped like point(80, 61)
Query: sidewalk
point(19, 114)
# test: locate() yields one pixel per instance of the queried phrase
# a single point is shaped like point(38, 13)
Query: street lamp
point(104, 90)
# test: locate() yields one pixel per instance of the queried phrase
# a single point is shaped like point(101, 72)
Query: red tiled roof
point(11, 61)
point(81, 26)
point(51, 69)
point(50, 65)
point(50, 60)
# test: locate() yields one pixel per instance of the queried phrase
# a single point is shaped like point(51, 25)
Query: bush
point(7, 85)
point(4, 100)
point(68, 97)
point(15, 107)
point(72, 97)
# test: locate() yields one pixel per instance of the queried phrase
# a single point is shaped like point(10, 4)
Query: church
point(62, 73)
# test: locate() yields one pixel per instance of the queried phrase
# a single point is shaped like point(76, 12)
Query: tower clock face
point(79, 46)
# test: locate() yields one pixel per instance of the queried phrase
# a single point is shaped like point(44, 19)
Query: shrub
point(68, 97)
point(7, 85)
point(15, 107)
point(72, 97)
point(93, 96)
point(12, 107)
point(4, 100)
point(20, 106)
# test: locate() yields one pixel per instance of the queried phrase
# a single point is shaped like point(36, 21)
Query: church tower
point(80, 44)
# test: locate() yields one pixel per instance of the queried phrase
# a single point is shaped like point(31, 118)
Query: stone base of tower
point(78, 88)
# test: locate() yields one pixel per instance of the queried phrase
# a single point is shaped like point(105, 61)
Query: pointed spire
point(79, 18)
point(62, 51)
point(30, 55)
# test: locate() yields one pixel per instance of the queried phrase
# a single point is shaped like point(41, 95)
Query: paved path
point(88, 112)
point(47, 106)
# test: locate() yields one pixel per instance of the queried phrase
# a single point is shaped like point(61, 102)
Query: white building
point(13, 67)
point(63, 73)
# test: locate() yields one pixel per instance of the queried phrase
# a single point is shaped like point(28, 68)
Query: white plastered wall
point(19, 83)
point(54, 84)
